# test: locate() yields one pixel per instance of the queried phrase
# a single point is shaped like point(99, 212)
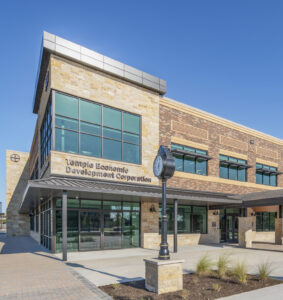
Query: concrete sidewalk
point(29, 272)
point(115, 266)
point(273, 293)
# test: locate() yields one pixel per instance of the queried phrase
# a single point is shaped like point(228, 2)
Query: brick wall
point(186, 126)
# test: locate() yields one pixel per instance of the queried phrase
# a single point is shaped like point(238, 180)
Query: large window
point(265, 176)
point(46, 134)
point(232, 168)
point(104, 224)
point(96, 130)
point(190, 164)
point(191, 219)
point(265, 221)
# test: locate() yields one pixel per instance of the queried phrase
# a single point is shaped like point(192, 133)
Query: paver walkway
point(28, 272)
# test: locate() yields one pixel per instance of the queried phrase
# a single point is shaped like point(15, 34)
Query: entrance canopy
point(82, 188)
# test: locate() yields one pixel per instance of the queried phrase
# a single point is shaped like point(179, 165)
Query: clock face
point(158, 166)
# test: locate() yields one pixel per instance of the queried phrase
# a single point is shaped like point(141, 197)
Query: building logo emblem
point(15, 157)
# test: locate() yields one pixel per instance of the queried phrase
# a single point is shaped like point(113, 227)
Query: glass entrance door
point(112, 230)
point(232, 228)
point(90, 230)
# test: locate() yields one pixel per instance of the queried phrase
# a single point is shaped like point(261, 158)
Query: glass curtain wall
point(265, 221)
point(191, 219)
point(97, 130)
point(96, 224)
point(45, 224)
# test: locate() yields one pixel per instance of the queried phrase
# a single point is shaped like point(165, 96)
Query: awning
point(53, 187)
point(234, 164)
point(191, 154)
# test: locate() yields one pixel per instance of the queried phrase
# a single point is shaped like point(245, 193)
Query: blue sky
point(225, 57)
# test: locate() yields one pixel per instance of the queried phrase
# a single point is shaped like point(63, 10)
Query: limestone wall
point(17, 175)
point(265, 237)
point(90, 84)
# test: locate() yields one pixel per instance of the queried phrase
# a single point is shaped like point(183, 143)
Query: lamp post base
point(164, 252)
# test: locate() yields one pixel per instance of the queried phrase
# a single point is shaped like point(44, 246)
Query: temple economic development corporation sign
point(98, 170)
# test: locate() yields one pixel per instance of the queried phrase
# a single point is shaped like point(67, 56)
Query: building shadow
point(120, 279)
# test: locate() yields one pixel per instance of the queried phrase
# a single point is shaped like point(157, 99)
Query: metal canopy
point(53, 187)
point(191, 154)
point(235, 164)
point(263, 170)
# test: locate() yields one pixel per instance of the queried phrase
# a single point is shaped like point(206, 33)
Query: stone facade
point(246, 231)
point(81, 81)
point(163, 276)
point(279, 231)
point(17, 175)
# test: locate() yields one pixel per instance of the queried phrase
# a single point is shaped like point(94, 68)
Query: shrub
point(115, 286)
point(222, 265)
point(264, 270)
point(204, 265)
point(216, 287)
point(184, 294)
point(240, 272)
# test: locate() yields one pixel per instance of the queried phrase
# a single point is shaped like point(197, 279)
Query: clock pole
point(164, 251)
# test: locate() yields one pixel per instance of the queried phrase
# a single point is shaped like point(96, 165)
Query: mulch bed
point(195, 287)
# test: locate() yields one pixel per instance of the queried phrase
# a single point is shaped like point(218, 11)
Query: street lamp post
point(164, 168)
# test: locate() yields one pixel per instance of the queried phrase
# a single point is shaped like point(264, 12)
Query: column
point(64, 226)
point(175, 225)
point(246, 234)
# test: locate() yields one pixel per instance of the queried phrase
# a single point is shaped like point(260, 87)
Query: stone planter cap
point(159, 262)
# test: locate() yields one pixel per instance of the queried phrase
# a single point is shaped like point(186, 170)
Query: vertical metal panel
point(64, 225)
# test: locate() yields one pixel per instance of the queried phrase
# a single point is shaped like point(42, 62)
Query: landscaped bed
point(196, 287)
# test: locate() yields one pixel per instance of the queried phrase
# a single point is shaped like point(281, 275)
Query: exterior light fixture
point(164, 168)
point(216, 213)
point(152, 208)
point(252, 142)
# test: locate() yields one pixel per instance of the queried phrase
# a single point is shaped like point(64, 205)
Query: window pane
point(259, 224)
point(131, 138)
point(178, 162)
point(66, 141)
point(223, 172)
point(265, 178)
point(258, 166)
point(90, 128)
point(189, 149)
point(112, 133)
point(73, 203)
point(112, 205)
point(184, 219)
point(233, 173)
point(241, 161)
point(131, 206)
point(265, 221)
point(259, 177)
point(199, 219)
point(91, 204)
point(131, 153)
point(189, 164)
point(174, 146)
point(272, 217)
point(112, 117)
point(242, 174)
point(273, 180)
point(66, 123)
point(112, 149)
point(201, 166)
point(223, 157)
point(90, 112)
point(131, 123)
point(90, 145)
point(66, 106)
